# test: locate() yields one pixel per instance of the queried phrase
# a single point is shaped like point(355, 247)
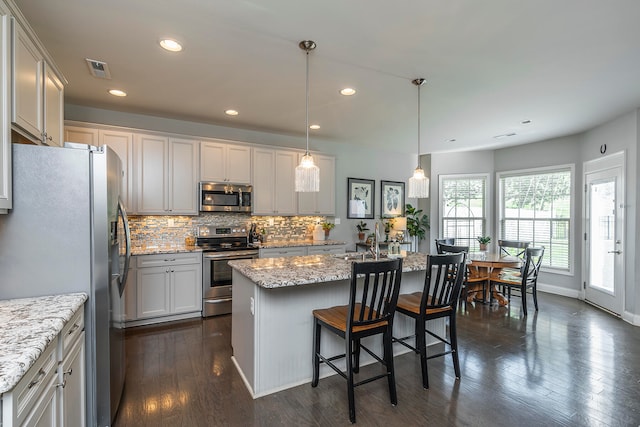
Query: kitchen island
point(272, 325)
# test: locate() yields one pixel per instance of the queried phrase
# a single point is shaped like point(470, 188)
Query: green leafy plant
point(362, 227)
point(326, 226)
point(388, 224)
point(483, 240)
point(417, 222)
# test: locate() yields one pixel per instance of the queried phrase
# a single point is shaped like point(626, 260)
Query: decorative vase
point(361, 236)
point(326, 234)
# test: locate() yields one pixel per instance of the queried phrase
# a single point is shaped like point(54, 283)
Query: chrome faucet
point(375, 247)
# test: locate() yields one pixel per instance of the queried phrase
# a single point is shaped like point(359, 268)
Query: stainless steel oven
point(220, 245)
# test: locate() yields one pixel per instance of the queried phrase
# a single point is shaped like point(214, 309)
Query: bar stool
point(371, 309)
point(439, 299)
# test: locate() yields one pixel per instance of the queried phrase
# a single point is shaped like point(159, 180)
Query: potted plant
point(388, 225)
point(484, 241)
point(362, 227)
point(327, 226)
point(417, 224)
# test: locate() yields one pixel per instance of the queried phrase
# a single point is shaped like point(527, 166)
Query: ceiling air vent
point(98, 69)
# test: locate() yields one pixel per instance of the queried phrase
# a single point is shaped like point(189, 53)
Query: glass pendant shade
point(307, 175)
point(418, 185)
point(307, 178)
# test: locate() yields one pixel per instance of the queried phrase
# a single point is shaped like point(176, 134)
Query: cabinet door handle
point(41, 374)
point(73, 329)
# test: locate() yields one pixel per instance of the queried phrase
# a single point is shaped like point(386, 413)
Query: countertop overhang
point(303, 270)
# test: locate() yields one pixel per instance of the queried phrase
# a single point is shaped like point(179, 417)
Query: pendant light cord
point(419, 84)
point(307, 104)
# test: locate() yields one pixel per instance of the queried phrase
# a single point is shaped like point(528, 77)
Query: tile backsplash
point(164, 230)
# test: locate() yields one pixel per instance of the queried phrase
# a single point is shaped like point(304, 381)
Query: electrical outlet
point(171, 223)
point(337, 221)
point(252, 306)
point(270, 222)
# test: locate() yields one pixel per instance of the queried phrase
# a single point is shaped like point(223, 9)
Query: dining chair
point(447, 241)
point(438, 299)
point(513, 248)
point(472, 274)
point(372, 305)
point(527, 278)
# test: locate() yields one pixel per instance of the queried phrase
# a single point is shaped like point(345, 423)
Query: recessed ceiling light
point(170, 45)
point(347, 91)
point(451, 140)
point(117, 92)
point(231, 113)
point(314, 127)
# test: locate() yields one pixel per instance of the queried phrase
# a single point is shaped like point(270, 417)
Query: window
point(463, 200)
point(535, 206)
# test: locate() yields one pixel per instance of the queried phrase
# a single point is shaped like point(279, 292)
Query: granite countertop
point(168, 248)
point(28, 326)
point(292, 243)
point(303, 270)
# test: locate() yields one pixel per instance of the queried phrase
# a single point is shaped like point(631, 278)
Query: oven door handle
point(227, 256)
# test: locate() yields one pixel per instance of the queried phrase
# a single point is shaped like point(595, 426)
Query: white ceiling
point(565, 65)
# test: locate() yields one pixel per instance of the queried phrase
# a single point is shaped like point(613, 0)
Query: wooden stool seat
point(373, 296)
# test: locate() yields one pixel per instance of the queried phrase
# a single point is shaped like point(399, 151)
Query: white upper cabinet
point(27, 83)
point(324, 201)
point(222, 162)
point(273, 182)
point(122, 144)
point(38, 92)
point(5, 127)
point(166, 175)
point(53, 107)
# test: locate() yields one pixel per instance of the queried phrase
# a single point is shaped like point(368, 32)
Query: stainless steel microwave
point(225, 197)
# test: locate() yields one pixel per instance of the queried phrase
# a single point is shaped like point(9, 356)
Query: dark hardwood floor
point(568, 365)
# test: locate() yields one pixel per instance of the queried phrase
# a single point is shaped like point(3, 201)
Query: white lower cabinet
point(52, 392)
point(166, 287)
point(301, 251)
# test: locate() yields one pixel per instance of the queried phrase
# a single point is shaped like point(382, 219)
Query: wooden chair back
point(447, 241)
point(443, 281)
point(513, 248)
point(531, 268)
point(376, 299)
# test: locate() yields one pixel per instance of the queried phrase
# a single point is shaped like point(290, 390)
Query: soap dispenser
point(318, 232)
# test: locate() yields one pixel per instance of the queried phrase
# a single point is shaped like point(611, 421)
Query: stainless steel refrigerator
point(68, 232)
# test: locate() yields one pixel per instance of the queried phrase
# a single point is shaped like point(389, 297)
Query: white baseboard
point(628, 317)
point(558, 290)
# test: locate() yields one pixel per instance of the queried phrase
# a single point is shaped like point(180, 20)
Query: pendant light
point(418, 183)
point(307, 173)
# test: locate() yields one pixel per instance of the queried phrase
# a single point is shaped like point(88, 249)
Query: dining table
point(488, 266)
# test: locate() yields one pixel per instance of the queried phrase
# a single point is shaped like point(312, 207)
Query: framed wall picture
point(361, 198)
point(391, 199)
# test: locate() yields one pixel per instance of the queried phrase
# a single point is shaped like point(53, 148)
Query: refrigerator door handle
point(127, 232)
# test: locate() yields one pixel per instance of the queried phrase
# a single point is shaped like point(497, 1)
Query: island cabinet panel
point(272, 330)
